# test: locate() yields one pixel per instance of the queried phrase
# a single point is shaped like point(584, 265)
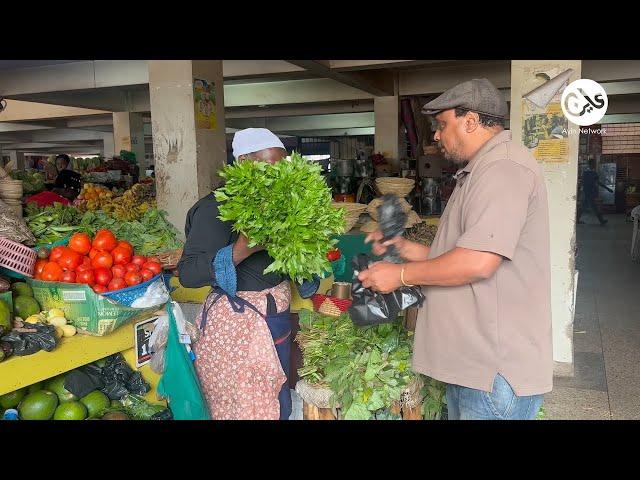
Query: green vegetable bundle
point(32, 180)
point(285, 207)
point(53, 223)
point(149, 235)
point(367, 369)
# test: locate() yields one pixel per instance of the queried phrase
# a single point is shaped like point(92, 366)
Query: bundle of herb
point(367, 369)
point(285, 207)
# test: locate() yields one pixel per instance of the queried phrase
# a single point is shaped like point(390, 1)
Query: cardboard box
point(86, 310)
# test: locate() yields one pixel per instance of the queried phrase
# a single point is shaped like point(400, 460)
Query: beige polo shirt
point(465, 335)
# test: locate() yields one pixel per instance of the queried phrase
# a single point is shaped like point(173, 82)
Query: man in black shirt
point(590, 183)
point(67, 182)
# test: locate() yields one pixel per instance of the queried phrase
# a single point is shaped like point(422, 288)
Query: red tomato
point(133, 278)
point(86, 277)
point(105, 240)
point(333, 255)
point(80, 243)
point(40, 266)
point(146, 274)
point(52, 272)
point(117, 284)
point(121, 255)
point(155, 267)
point(56, 253)
point(127, 245)
point(68, 277)
point(139, 260)
point(70, 260)
point(100, 289)
point(102, 259)
point(153, 259)
point(118, 271)
point(132, 267)
point(102, 276)
point(86, 262)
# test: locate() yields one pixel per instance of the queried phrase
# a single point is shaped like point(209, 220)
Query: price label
point(142, 333)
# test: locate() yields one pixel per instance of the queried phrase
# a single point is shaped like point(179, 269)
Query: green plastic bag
point(179, 382)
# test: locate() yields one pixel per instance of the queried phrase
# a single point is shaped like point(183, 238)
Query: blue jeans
point(502, 403)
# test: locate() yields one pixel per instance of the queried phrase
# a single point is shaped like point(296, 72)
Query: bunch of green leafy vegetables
point(285, 207)
point(149, 235)
point(52, 223)
point(367, 369)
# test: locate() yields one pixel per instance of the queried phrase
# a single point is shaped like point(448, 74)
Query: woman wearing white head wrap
point(242, 359)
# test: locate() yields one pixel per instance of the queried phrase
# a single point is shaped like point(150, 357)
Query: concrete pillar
point(128, 134)
point(108, 148)
point(560, 167)
point(387, 121)
point(187, 153)
point(16, 161)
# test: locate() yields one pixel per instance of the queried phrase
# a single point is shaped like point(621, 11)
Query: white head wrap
point(252, 140)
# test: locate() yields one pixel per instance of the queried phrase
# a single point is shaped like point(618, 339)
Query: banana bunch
point(132, 205)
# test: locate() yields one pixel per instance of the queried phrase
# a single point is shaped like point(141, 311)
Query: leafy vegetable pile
point(32, 180)
point(53, 223)
point(367, 369)
point(286, 207)
point(149, 235)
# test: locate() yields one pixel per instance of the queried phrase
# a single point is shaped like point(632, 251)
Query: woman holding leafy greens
point(242, 359)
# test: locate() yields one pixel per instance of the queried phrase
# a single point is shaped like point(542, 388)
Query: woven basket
point(352, 212)
point(398, 186)
point(370, 226)
point(328, 305)
point(11, 188)
point(16, 210)
point(170, 259)
point(372, 208)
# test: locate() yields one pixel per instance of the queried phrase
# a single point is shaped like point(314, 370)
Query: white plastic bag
point(156, 295)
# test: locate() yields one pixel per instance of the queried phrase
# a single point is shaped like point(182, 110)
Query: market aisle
point(606, 329)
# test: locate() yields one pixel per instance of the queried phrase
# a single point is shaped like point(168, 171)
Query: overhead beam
point(351, 65)
point(312, 122)
point(297, 110)
point(19, 127)
point(375, 83)
point(333, 132)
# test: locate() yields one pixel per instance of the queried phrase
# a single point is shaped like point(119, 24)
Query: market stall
point(80, 295)
point(86, 285)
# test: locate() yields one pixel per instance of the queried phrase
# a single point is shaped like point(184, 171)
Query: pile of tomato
point(104, 263)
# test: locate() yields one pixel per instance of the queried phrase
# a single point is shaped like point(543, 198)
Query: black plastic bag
point(84, 380)
point(392, 219)
point(120, 379)
point(115, 379)
point(28, 343)
point(373, 308)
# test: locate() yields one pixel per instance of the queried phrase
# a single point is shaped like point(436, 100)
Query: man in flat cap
point(485, 327)
point(243, 355)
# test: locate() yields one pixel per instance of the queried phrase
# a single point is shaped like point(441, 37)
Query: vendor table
point(73, 352)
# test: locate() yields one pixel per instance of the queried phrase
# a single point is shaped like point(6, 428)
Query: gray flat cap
point(479, 95)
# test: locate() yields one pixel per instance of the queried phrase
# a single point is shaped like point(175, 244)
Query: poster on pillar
point(204, 97)
point(544, 126)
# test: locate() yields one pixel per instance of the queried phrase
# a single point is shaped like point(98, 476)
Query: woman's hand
point(241, 249)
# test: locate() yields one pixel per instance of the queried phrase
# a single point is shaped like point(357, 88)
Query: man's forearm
point(459, 266)
point(414, 251)
point(240, 252)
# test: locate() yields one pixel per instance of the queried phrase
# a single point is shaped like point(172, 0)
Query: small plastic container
point(10, 414)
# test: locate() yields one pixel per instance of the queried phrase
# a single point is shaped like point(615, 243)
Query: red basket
point(16, 257)
point(328, 305)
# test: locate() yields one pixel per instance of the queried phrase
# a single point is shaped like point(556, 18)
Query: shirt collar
point(502, 137)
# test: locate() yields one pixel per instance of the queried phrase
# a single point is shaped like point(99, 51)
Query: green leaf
point(357, 411)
